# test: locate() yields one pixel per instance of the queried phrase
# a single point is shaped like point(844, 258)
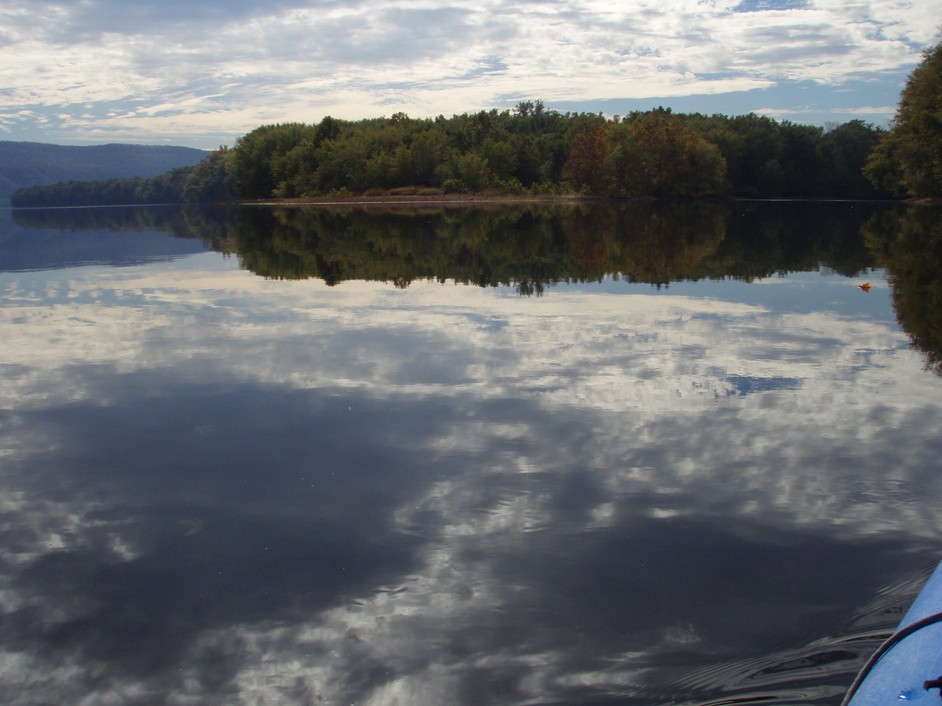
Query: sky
point(202, 73)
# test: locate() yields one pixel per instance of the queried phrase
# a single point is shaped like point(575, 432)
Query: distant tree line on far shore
point(531, 149)
point(27, 163)
point(208, 181)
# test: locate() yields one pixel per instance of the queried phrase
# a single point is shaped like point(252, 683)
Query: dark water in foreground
point(282, 463)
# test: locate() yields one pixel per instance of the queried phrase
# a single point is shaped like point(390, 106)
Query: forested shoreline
point(526, 150)
point(538, 151)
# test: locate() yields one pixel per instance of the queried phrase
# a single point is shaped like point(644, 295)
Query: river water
point(681, 454)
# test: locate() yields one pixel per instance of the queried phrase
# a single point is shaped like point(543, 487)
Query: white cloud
point(226, 73)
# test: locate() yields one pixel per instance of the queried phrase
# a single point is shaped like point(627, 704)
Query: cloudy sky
point(203, 72)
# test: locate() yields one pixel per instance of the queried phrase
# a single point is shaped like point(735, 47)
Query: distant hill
point(32, 163)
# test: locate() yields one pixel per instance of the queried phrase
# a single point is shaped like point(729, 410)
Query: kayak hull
point(906, 666)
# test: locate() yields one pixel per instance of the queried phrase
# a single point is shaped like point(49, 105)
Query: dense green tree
point(884, 168)
point(258, 152)
point(340, 164)
point(418, 160)
point(844, 152)
point(909, 159)
point(468, 172)
point(212, 180)
point(501, 157)
point(531, 167)
point(752, 146)
point(803, 166)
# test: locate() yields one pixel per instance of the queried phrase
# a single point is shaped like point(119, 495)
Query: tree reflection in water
point(539, 246)
point(533, 247)
point(908, 243)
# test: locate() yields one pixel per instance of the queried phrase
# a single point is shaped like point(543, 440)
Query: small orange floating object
point(865, 286)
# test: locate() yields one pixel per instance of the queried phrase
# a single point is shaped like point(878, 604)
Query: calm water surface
point(651, 456)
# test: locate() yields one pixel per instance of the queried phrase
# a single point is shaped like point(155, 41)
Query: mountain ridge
point(33, 163)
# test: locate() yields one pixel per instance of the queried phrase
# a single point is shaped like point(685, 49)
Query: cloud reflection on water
point(220, 489)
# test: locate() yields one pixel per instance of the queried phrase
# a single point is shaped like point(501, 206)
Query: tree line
point(533, 149)
point(528, 149)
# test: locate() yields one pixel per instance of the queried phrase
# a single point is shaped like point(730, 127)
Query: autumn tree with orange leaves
point(587, 167)
point(657, 154)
